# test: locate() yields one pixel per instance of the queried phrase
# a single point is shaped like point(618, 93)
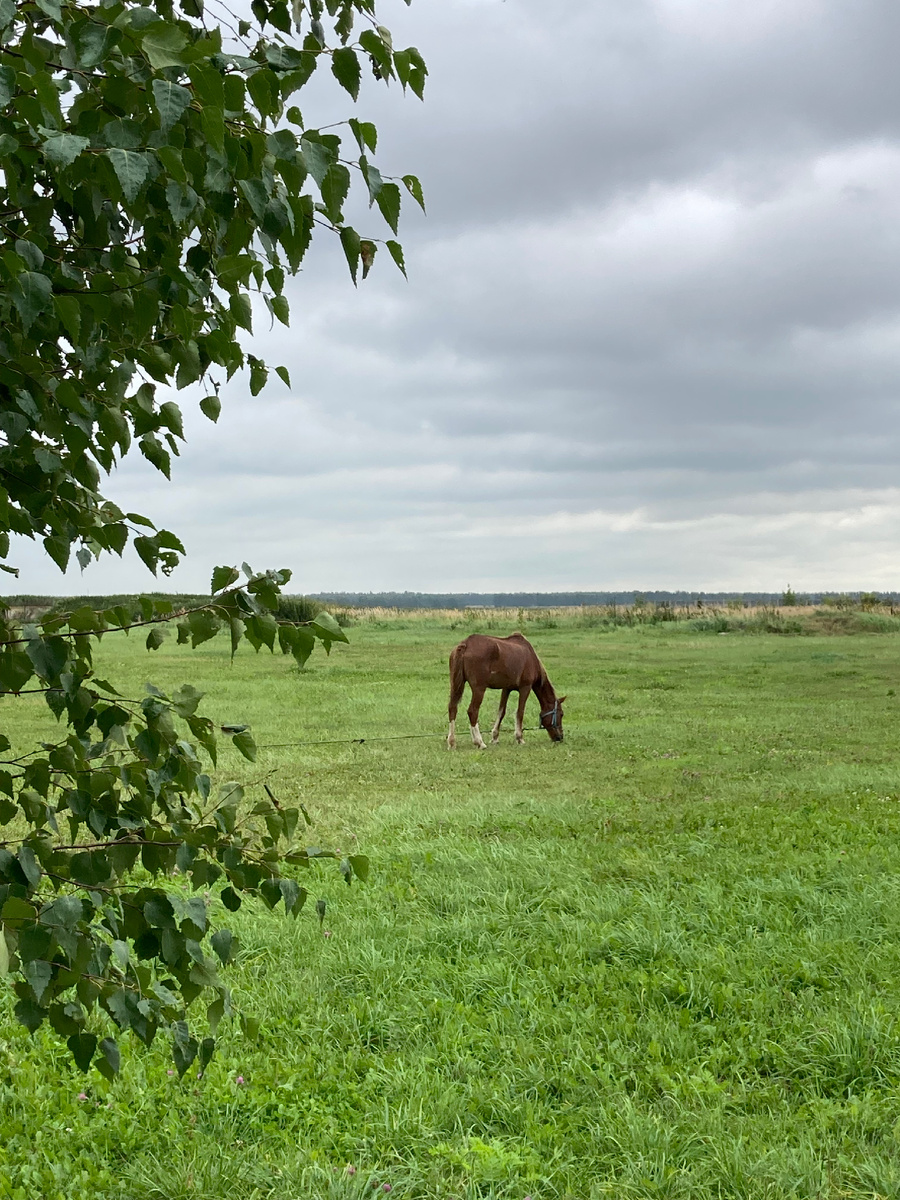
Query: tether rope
point(396, 737)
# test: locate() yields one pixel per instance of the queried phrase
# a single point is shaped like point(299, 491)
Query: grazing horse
point(511, 665)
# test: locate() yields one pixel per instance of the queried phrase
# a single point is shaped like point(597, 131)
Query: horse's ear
point(561, 698)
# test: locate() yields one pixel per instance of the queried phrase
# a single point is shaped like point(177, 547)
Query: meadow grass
point(659, 960)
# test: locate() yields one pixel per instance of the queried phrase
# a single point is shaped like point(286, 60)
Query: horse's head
point(552, 717)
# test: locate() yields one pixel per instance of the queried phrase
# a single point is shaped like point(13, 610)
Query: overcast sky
point(651, 333)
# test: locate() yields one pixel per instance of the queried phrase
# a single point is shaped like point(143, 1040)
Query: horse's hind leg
point(501, 713)
point(520, 714)
point(457, 687)
point(455, 697)
point(474, 706)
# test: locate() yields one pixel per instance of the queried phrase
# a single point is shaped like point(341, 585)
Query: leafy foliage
point(156, 190)
point(150, 188)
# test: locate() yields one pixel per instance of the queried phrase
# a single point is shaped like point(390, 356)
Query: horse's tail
point(457, 673)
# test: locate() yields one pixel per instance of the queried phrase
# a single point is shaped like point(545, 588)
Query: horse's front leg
point(501, 713)
point(475, 705)
point(520, 714)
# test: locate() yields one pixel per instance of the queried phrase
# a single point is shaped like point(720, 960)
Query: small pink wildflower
point(327, 933)
point(351, 1170)
point(386, 1187)
point(240, 1080)
point(82, 1095)
point(170, 1072)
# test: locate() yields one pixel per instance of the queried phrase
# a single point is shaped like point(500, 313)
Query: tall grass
point(793, 621)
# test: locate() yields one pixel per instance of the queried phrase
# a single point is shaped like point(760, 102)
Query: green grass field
point(659, 960)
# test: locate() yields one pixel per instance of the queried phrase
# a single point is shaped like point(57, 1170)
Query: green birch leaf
point(203, 626)
point(211, 406)
point(334, 188)
point(156, 637)
point(283, 144)
point(284, 374)
point(396, 252)
point(49, 656)
point(350, 243)
point(61, 149)
point(415, 190)
point(91, 41)
point(69, 312)
point(109, 1064)
point(373, 179)
point(365, 133)
point(7, 85)
point(31, 294)
point(182, 200)
point(59, 549)
point(257, 196)
point(223, 577)
point(281, 308)
point(418, 72)
point(163, 45)
point(38, 974)
point(155, 453)
point(346, 70)
point(132, 167)
point(388, 201)
point(29, 1014)
point(317, 158)
point(259, 373)
point(241, 309)
point(51, 8)
point(83, 1047)
point(327, 627)
point(223, 944)
point(171, 100)
point(360, 865)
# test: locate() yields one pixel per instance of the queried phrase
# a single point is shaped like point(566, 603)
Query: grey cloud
point(651, 331)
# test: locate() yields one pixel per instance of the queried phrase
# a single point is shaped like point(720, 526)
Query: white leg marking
point(520, 736)
point(451, 736)
point(476, 737)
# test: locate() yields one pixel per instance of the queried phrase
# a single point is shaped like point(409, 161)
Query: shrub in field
point(154, 176)
point(298, 608)
point(869, 600)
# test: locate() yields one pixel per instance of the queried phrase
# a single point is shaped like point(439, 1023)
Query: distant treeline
point(570, 599)
point(304, 608)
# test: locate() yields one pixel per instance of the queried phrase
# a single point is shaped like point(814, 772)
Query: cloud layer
point(650, 336)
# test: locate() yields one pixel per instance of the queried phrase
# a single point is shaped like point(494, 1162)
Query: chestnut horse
point(511, 665)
